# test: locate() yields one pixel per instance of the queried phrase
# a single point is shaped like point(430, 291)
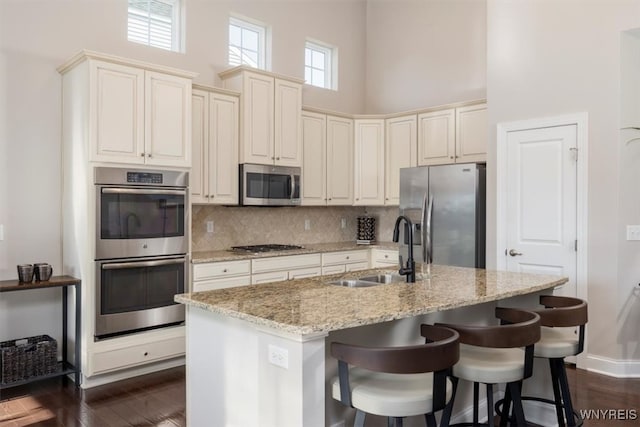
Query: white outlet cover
point(279, 356)
point(209, 226)
point(633, 232)
point(307, 224)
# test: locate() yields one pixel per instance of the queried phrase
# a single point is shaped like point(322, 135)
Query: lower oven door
point(137, 294)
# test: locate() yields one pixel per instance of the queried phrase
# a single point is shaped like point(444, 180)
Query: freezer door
point(414, 187)
point(453, 233)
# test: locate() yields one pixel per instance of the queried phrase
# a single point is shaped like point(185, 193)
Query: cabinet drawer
point(333, 269)
point(285, 263)
point(274, 276)
point(304, 273)
point(214, 270)
point(138, 355)
point(355, 266)
point(231, 282)
point(384, 256)
point(345, 257)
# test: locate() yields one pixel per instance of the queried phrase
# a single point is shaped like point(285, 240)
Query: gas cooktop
point(265, 248)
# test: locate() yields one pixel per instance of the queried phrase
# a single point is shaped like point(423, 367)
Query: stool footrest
point(498, 407)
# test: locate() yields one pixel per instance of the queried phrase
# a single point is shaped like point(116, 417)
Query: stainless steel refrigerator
point(447, 206)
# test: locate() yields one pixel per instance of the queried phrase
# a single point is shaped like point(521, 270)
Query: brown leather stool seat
point(555, 344)
point(397, 382)
point(494, 355)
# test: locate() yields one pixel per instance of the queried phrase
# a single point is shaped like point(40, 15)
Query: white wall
point(36, 36)
point(422, 53)
point(551, 58)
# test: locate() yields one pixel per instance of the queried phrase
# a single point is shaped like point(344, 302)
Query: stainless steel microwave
point(264, 185)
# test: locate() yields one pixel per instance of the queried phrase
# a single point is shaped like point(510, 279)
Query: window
point(319, 65)
point(155, 23)
point(247, 43)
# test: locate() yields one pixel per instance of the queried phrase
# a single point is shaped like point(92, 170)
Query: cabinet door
point(287, 123)
point(436, 137)
point(314, 187)
point(223, 149)
point(369, 162)
point(168, 120)
point(401, 151)
point(200, 148)
point(117, 113)
point(339, 161)
point(257, 119)
point(471, 133)
point(273, 276)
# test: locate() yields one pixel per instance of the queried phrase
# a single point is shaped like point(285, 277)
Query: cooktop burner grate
point(265, 248)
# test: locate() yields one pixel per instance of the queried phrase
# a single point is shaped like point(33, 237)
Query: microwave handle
point(141, 191)
point(124, 265)
point(293, 185)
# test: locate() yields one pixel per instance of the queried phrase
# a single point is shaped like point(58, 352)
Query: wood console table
point(64, 282)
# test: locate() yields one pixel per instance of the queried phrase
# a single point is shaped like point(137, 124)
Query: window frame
point(330, 63)
point(177, 26)
point(250, 25)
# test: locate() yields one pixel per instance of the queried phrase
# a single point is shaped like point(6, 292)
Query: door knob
point(513, 252)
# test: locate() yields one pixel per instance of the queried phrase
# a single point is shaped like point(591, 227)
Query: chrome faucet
point(410, 269)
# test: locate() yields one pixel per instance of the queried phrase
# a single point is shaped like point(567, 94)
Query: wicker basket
point(26, 358)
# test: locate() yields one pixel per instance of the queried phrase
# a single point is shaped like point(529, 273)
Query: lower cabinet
point(275, 269)
point(116, 359)
point(219, 275)
point(383, 258)
point(345, 261)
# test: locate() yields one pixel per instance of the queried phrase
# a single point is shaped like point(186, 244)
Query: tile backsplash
point(233, 226)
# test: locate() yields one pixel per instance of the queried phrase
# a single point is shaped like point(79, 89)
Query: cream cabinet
point(139, 116)
point(214, 175)
point(270, 119)
point(384, 258)
point(219, 275)
point(401, 140)
point(344, 261)
point(327, 171)
point(453, 135)
point(275, 269)
point(369, 162)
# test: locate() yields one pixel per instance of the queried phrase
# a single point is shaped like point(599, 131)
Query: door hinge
point(575, 245)
point(575, 153)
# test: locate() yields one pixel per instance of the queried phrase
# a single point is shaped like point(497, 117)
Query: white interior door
point(541, 190)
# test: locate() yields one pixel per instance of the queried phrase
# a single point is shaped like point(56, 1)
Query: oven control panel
point(144, 178)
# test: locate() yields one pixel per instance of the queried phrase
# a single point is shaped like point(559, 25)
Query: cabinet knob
point(273, 158)
point(347, 257)
point(329, 199)
point(146, 353)
point(451, 157)
point(149, 155)
point(277, 158)
point(224, 271)
point(386, 256)
point(141, 154)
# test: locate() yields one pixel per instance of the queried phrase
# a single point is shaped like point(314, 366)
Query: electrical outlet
point(279, 356)
point(343, 223)
point(633, 232)
point(209, 226)
point(307, 224)
point(1, 232)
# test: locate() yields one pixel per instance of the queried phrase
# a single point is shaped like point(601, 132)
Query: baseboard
point(613, 367)
point(130, 373)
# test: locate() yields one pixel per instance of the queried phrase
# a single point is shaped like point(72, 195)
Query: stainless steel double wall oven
point(141, 249)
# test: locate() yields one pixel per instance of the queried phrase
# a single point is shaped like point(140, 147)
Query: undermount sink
point(383, 278)
point(353, 283)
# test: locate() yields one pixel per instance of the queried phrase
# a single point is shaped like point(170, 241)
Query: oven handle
point(293, 185)
point(124, 265)
point(142, 191)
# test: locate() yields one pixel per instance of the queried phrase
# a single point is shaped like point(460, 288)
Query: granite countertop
point(227, 255)
point(311, 306)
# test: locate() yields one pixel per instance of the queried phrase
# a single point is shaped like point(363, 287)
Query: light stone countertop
point(227, 255)
point(311, 306)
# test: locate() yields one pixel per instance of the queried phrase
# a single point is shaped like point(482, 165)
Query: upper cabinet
point(135, 113)
point(368, 180)
point(215, 129)
point(400, 152)
point(453, 135)
point(270, 123)
point(327, 168)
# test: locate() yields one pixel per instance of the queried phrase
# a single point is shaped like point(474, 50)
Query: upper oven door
point(263, 185)
point(140, 221)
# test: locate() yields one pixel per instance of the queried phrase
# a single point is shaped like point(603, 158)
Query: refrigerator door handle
point(427, 210)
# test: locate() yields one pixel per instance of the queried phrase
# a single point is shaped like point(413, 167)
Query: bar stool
point(493, 355)
point(559, 312)
point(397, 382)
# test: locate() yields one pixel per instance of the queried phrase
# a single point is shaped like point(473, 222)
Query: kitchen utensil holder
point(26, 358)
point(366, 230)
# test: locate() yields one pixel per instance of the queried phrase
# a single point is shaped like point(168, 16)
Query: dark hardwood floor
point(159, 400)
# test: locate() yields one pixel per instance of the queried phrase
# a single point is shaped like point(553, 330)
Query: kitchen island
point(256, 354)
